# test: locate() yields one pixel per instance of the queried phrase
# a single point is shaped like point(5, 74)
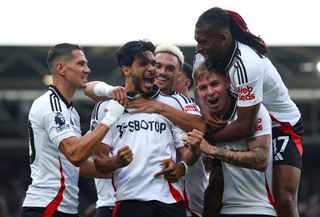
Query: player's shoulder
point(247, 55)
point(44, 102)
point(180, 102)
point(169, 100)
point(99, 108)
point(50, 101)
point(182, 98)
point(101, 104)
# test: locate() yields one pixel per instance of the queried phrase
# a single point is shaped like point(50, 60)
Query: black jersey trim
point(175, 98)
point(241, 71)
point(233, 108)
point(95, 112)
point(235, 52)
point(55, 102)
point(184, 97)
point(55, 91)
point(32, 157)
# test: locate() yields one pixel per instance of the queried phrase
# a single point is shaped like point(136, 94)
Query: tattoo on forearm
point(256, 158)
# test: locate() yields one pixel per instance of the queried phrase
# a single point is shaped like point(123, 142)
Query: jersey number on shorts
point(277, 153)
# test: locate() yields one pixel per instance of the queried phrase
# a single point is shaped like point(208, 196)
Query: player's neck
point(66, 91)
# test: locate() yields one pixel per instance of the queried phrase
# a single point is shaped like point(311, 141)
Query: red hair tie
point(238, 19)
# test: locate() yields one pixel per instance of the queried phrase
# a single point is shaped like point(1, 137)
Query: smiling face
point(212, 44)
point(212, 89)
point(77, 69)
point(140, 76)
point(72, 70)
point(167, 71)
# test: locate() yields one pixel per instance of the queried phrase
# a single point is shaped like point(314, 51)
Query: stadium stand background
point(23, 73)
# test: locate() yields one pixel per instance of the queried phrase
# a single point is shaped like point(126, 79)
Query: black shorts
point(104, 211)
point(287, 144)
point(135, 208)
point(39, 211)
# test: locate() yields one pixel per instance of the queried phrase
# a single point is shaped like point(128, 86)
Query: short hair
point(187, 70)
point(204, 71)
point(63, 50)
point(171, 49)
point(132, 50)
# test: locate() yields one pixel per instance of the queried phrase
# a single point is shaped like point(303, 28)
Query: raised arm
point(98, 90)
point(191, 152)
point(77, 150)
point(89, 91)
point(184, 120)
point(242, 128)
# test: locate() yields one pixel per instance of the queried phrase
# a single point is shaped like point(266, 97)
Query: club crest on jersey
point(94, 124)
point(245, 93)
point(60, 122)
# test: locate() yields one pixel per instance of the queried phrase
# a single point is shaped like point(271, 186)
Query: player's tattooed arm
point(256, 157)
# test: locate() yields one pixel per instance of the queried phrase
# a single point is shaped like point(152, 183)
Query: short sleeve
point(247, 81)
point(58, 126)
point(178, 134)
point(263, 122)
point(191, 108)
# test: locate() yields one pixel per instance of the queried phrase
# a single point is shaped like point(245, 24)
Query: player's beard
point(138, 81)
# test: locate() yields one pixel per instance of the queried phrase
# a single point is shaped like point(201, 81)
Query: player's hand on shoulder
point(143, 104)
point(120, 95)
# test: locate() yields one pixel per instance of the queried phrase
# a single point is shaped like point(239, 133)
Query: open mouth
point(148, 82)
point(213, 101)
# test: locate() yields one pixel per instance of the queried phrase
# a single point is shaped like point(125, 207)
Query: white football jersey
point(152, 138)
point(248, 191)
point(54, 179)
point(255, 80)
point(196, 182)
point(196, 179)
point(187, 104)
point(105, 191)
